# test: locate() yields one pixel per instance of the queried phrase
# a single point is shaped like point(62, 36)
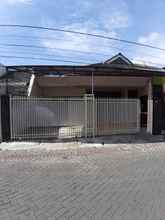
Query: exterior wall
point(86, 81)
point(77, 86)
point(36, 91)
point(143, 91)
point(50, 91)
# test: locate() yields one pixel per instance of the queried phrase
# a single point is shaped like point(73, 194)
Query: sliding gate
point(39, 118)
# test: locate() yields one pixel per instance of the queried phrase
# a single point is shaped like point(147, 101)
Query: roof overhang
point(98, 70)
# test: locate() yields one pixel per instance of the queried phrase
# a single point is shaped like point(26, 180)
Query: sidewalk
point(114, 141)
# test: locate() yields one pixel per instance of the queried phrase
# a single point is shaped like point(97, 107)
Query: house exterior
point(116, 78)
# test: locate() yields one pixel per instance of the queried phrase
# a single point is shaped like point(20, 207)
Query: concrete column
point(150, 109)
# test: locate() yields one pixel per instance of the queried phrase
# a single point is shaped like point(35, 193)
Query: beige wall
point(56, 91)
point(76, 91)
point(36, 90)
point(85, 81)
point(70, 86)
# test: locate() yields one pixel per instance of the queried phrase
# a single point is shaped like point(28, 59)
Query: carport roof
point(98, 69)
point(118, 65)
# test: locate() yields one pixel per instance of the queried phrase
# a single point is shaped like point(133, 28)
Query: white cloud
point(106, 21)
point(150, 38)
point(70, 42)
point(13, 2)
point(117, 20)
point(79, 42)
point(151, 56)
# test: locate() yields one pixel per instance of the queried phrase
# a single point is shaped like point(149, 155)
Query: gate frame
point(90, 98)
point(5, 118)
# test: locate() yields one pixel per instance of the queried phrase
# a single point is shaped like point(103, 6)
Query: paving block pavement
point(122, 183)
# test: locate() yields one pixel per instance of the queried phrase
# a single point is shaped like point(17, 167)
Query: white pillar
point(31, 84)
point(150, 109)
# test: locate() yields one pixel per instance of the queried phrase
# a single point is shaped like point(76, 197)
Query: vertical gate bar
point(138, 114)
point(85, 102)
point(93, 117)
point(11, 118)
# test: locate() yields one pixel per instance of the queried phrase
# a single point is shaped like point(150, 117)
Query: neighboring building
point(3, 72)
point(15, 82)
point(117, 78)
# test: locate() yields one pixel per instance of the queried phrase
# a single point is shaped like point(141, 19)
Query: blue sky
point(137, 20)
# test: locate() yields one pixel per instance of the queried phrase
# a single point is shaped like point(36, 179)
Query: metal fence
point(117, 116)
point(39, 118)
